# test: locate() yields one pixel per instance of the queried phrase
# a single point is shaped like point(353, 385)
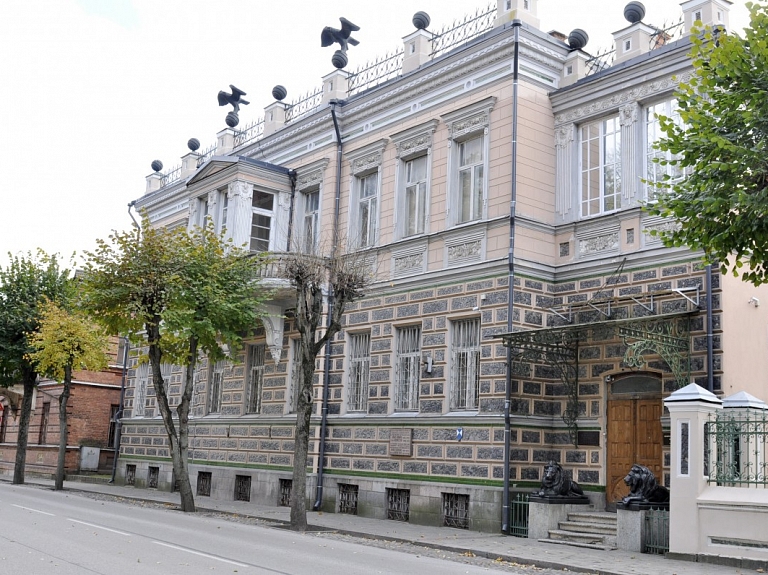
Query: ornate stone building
point(606, 320)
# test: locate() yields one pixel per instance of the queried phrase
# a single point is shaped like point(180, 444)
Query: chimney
point(524, 10)
point(706, 13)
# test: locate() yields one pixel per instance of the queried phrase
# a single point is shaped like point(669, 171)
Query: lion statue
point(556, 484)
point(643, 487)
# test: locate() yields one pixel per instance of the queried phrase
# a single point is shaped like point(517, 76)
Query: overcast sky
point(94, 90)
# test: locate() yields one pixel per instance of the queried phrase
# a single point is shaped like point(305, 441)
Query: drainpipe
point(327, 368)
point(292, 175)
point(135, 223)
point(710, 356)
point(119, 414)
point(505, 524)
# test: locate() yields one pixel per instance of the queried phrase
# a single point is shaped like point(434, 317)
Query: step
point(593, 517)
point(594, 538)
point(588, 527)
point(576, 544)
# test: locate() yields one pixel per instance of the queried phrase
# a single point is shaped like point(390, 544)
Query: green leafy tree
point(721, 144)
point(344, 278)
point(25, 284)
point(66, 341)
point(179, 294)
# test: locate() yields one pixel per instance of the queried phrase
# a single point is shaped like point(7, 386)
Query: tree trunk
point(301, 446)
point(29, 378)
point(63, 398)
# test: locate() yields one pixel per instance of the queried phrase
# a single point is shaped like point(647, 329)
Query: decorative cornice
point(311, 175)
point(368, 157)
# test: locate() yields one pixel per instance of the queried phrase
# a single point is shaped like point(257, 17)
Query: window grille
point(256, 355)
point(153, 476)
point(407, 367)
point(296, 375)
point(456, 510)
point(261, 220)
point(43, 437)
point(130, 474)
point(311, 214)
point(348, 498)
point(242, 487)
point(465, 364)
point(140, 390)
point(471, 179)
point(368, 188)
point(166, 370)
point(359, 365)
point(204, 479)
point(215, 383)
point(601, 166)
point(415, 195)
point(398, 504)
point(286, 485)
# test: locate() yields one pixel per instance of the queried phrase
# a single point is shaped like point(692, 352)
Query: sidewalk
point(512, 549)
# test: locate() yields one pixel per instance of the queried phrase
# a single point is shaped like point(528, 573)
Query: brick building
point(606, 320)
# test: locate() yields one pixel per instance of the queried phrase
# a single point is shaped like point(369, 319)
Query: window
point(4, 413)
point(296, 374)
point(255, 378)
point(215, 384)
point(203, 212)
point(113, 410)
point(43, 439)
point(311, 221)
point(471, 180)
point(359, 364)
point(407, 367)
point(224, 203)
point(465, 364)
point(601, 167)
point(367, 210)
point(627, 45)
point(261, 221)
point(656, 171)
point(122, 348)
point(140, 389)
point(415, 195)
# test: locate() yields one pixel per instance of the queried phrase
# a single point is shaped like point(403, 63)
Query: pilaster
point(564, 136)
point(240, 197)
point(628, 118)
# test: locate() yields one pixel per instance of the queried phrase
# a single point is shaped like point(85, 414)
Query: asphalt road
point(46, 532)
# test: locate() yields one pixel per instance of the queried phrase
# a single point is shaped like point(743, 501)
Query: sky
point(94, 90)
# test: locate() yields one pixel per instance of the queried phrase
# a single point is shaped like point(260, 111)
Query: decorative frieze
point(564, 136)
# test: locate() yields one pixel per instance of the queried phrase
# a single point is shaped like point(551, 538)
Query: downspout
point(292, 175)
point(710, 356)
point(135, 223)
point(119, 414)
point(505, 521)
point(327, 368)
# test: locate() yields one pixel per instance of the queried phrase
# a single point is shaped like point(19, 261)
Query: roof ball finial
point(421, 20)
point(279, 93)
point(193, 144)
point(634, 12)
point(157, 165)
point(577, 39)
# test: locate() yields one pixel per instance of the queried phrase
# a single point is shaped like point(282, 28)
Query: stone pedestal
point(630, 524)
point(546, 513)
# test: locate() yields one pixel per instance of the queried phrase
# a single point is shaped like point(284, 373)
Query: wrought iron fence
point(304, 105)
point(600, 62)
point(206, 154)
point(286, 486)
point(398, 504)
point(250, 133)
point(376, 72)
point(464, 30)
point(656, 531)
point(171, 176)
point(518, 515)
point(736, 448)
point(456, 510)
point(348, 498)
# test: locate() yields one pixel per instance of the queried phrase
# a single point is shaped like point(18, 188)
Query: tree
point(25, 284)
point(65, 341)
point(721, 145)
point(179, 294)
point(345, 279)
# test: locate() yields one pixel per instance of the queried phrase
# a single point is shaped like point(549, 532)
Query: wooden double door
point(634, 436)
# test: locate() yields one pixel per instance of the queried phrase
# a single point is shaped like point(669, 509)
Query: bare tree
point(324, 287)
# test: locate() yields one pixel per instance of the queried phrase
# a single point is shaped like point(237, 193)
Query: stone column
point(628, 116)
point(239, 212)
point(689, 408)
point(564, 168)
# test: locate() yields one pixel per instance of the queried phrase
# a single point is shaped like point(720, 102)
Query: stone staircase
point(590, 529)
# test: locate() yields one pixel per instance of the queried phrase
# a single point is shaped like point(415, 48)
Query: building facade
point(606, 320)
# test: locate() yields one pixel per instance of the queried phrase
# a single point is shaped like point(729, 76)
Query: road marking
point(201, 554)
point(33, 510)
point(99, 527)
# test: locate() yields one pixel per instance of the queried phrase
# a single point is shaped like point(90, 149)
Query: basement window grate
point(152, 477)
point(286, 485)
point(204, 483)
point(242, 487)
point(130, 474)
point(348, 498)
point(456, 510)
point(398, 504)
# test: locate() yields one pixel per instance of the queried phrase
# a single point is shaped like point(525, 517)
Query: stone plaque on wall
point(400, 442)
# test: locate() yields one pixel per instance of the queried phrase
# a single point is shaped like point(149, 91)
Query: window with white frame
point(215, 385)
point(658, 168)
point(407, 366)
point(471, 180)
point(296, 374)
point(359, 365)
point(465, 364)
point(140, 389)
point(415, 196)
point(367, 209)
point(221, 224)
point(261, 220)
point(311, 221)
point(203, 211)
point(601, 166)
point(255, 383)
